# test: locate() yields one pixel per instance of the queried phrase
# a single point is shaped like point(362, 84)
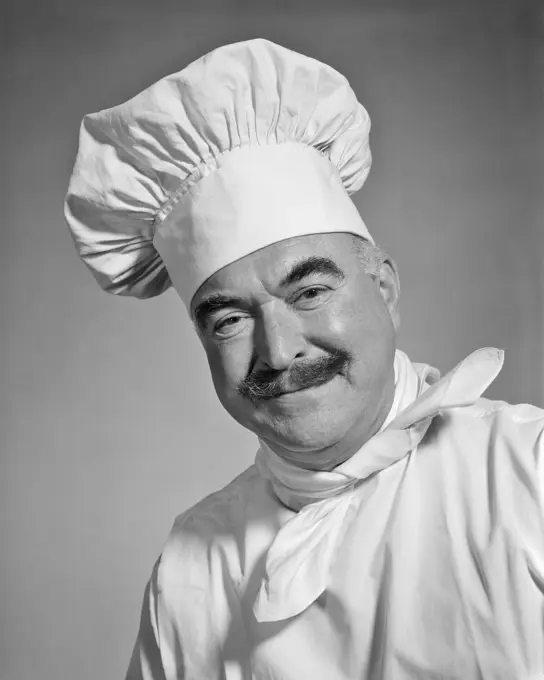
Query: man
point(392, 526)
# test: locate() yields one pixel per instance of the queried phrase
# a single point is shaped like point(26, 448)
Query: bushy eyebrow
point(214, 303)
point(310, 266)
point(300, 270)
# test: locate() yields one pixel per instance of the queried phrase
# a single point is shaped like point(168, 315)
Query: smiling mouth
point(303, 389)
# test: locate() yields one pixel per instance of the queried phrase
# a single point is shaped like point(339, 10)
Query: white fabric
point(440, 572)
point(248, 145)
point(253, 197)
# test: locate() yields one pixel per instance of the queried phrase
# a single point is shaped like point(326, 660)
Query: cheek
point(354, 321)
point(362, 327)
point(229, 364)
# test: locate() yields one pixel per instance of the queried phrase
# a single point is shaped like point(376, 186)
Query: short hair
point(371, 256)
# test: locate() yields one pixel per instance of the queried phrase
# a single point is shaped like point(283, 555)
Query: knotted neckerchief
point(299, 560)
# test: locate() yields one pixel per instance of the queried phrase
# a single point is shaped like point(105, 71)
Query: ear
point(389, 285)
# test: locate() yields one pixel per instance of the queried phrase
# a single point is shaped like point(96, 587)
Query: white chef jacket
point(440, 575)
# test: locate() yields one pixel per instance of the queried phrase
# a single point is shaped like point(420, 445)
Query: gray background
point(108, 422)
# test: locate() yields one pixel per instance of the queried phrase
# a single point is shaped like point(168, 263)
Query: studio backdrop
point(109, 425)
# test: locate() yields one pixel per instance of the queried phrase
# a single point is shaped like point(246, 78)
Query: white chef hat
point(247, 146)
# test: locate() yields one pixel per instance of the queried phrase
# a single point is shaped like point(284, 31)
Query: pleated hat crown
point(249, 145)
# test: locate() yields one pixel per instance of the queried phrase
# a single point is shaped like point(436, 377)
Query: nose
point(278, 338)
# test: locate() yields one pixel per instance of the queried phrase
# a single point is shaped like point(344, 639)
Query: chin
point(302, 421)
point(317, 435)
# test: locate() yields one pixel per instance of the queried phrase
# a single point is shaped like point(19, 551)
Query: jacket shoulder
point(497, 415)
point(208, 527)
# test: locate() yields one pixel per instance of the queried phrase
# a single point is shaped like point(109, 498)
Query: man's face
point(300, 341)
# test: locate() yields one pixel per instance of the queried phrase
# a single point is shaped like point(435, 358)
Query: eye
point(229, 324)
point(312, 294)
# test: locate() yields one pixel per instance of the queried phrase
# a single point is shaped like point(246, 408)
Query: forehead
point(265, 268)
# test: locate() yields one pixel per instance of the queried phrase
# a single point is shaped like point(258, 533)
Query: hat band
point(251, 198)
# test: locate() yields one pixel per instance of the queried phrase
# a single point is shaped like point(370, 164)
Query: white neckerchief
point(299, 560)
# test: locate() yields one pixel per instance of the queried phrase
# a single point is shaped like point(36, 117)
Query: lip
point(283, 395)
point(301, 391)
point(286, 394)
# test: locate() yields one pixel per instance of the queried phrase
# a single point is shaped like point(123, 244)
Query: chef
point(392, 526)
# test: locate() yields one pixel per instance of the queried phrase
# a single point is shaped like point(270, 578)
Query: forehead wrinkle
point(302, 267)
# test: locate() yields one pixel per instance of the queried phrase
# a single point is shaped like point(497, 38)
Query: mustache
point(302, 375)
